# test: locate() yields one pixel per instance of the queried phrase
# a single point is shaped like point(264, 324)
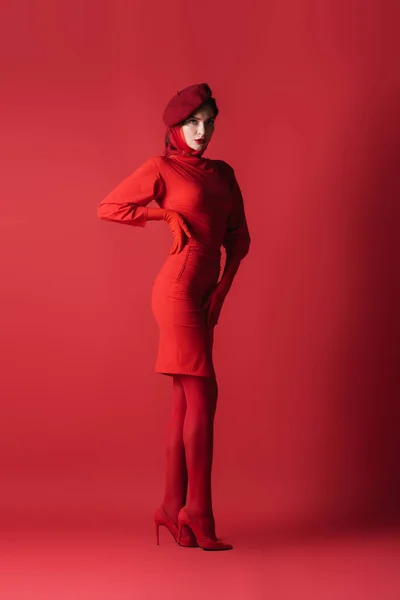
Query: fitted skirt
point(178, 295)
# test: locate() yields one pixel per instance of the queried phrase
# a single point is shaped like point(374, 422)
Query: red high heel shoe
point(161, 517)
point(186, 518)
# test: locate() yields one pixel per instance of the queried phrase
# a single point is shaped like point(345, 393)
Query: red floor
point(115, 565)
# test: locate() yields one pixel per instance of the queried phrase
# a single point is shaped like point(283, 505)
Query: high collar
point(187, 158)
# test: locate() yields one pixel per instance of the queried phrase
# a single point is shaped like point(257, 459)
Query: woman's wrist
point(156, 214)
point(224, 285)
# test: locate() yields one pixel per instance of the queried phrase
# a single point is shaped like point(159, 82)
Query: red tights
point(189, 448)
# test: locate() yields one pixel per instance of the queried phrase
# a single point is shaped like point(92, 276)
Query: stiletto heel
point(185, 517)
point(161, 517)
point(179, 532)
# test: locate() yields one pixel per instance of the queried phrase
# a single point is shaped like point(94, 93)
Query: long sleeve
point(237, 238)
point(127, 203)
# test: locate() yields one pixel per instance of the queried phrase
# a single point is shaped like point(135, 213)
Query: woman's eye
point(194, 121)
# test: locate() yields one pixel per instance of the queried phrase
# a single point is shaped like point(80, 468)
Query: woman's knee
point(201, 391)
point(178, 394)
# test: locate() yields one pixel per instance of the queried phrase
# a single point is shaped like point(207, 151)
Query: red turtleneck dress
point(205, 192)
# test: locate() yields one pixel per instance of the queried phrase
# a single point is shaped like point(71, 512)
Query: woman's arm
point(216, 298)
point(231, 267)
point(127, 203)
point(237, 238)
point(236, 243)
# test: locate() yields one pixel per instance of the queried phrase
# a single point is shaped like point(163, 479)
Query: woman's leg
point(176, 472)
point(198, 436)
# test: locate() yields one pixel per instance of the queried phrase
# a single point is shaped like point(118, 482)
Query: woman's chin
point(198, 146)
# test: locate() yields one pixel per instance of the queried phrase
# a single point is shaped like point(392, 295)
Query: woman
point(201, 201)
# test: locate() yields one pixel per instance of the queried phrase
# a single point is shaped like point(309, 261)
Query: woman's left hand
point(213, 305)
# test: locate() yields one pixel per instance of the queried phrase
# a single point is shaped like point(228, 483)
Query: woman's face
point(199, 128)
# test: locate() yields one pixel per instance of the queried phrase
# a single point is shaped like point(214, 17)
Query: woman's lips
point(199, 141)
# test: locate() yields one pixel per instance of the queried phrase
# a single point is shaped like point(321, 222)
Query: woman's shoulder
point(152, 165)
point(220, 163)
point(160, 161)
point(156, 161)
point(222, 166)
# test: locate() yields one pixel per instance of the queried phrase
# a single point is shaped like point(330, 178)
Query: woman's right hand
point(179, 230)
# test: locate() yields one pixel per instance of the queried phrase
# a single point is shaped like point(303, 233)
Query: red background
point(307, 349)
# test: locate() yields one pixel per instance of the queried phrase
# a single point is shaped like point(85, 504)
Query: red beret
point(185, 103)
